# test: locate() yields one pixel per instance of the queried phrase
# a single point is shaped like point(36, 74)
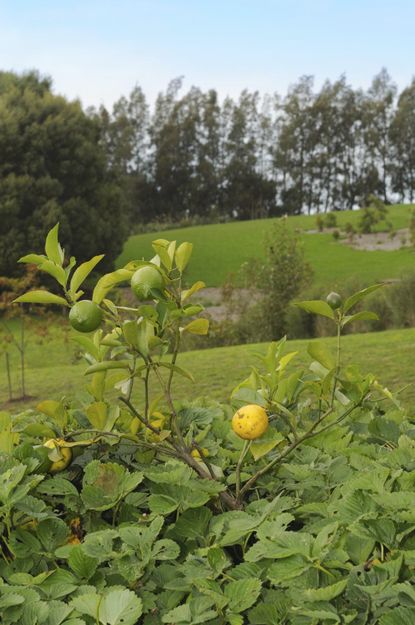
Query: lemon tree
point(291, 503)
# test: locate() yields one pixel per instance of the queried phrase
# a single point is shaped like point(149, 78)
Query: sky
point(98, 50)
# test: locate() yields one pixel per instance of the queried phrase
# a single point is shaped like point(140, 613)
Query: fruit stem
point(203, 458)
point(143, 420)
point(173, 413)
point(313, 431)
point(244, 451)
point(146, 393)
point(174, 357)
point(337, 371)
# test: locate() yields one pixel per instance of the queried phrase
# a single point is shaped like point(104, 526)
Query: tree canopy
point(53, 169)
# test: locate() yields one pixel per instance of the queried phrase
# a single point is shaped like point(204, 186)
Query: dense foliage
point(157, 512)
point(53, 168)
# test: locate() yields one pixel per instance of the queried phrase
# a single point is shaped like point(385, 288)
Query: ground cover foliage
point(143, 514)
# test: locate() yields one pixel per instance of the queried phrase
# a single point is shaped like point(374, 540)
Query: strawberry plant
point(292, 504)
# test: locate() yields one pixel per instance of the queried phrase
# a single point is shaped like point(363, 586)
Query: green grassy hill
point(52, 373)
point(220, 249)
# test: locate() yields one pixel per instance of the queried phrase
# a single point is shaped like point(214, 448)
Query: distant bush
point(371, 215)
point(319, 223)
point(330, 220)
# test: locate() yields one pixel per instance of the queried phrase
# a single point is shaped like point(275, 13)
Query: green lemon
point(146, 279)
point(334, 300)
point(85, 316)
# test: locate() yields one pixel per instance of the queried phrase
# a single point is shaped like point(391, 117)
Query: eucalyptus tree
point(402, 135)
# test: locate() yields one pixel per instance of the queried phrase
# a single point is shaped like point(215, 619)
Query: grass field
point(52, 373)
point(220, 249)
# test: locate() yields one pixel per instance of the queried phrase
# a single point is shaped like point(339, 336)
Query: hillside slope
point(220, 249)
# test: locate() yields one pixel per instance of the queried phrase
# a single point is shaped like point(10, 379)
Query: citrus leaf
point(357, 297)
point(108, 364)
point(177, 369)
point(83, 271)
point(265, 443)
point(319, 352)
point(364, 315)
point(108, 281)
point(41, 297)
point(54, 270)
point(318, 307)
point(52, 248)
point(160, 246)
point(183, 254)
point(197, 326)
point(34, 259)
point(197, 286)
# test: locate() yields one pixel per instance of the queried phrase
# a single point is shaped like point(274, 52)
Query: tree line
point(309, 151)
point(192, 156)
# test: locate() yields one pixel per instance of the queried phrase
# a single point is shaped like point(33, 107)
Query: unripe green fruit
point(85, 316)
point(144, 280)
point(334, 300)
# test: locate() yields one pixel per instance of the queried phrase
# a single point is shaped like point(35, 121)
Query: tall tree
point(379, 111)
point(402, 134)
point(247, 194)
point(292, 150)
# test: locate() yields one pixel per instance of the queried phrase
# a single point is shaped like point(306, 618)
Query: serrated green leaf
point(57, 486)
point(242, 594)
point(326, 593)
point(82, 565)
point(104, 484)
point(120, 607)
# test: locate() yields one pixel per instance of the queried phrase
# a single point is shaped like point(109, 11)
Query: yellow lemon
point(195, 453)
point(250, 422)
point(66, 453)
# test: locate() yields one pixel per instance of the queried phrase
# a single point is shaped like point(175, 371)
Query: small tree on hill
point(372, 214)
point(280, 278)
